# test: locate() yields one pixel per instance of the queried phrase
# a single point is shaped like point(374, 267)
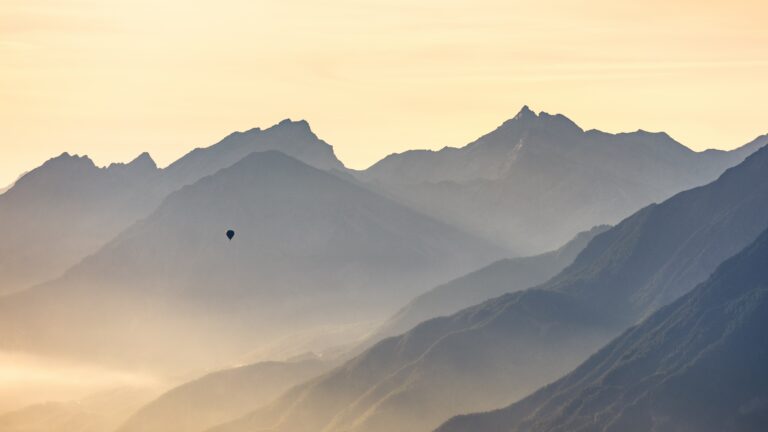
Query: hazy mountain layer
point(221, 396)
point(507, 275)
point(65, 209)
point(538, 179)
point(695, 365)
point(492, 354)
point(68, 208)
point(310, 249)
point(102, 412)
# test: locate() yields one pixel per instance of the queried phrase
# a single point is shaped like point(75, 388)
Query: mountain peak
point(294, 138)
point(294, 123)
point(527, 118)
point(525, 113)
point(144, 159)
point(292, 126)
point(69, 160)
point(298, 128)
point(142, 162)
point(58, 170)
point(660, 134)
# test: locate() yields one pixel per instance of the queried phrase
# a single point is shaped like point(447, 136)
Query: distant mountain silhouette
point(698, 364)
point(220, 396)
point(171, 291)
point(500, 277)
point(65, 209)
point(75, 207)
point(492, 354)
point(538, 179)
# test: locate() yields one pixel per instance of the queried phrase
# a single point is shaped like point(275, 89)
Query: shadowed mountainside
point(695, 365)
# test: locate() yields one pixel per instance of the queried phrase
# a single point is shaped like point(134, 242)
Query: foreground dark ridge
point(698, 364)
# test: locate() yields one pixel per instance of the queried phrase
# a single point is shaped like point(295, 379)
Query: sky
point(112, 79)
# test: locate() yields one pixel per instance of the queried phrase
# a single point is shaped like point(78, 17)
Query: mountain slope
point(310, 249)
point(514, 184)
point(697, 364)
point(500, 277)
point(492, 354)
point(5, 189)
point(56, 214)
point(220, 396)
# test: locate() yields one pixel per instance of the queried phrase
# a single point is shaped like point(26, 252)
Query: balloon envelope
point(230, 234)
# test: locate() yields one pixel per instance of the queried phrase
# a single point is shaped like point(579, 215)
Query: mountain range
point(129, 266)
point(513, 185)
point(66, 209)
point(494, 353)
point(311, 249)
point(695, 365)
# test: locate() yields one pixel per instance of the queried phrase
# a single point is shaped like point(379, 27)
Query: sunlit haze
point(26, 379)
point(383, 215)
point(111, 79)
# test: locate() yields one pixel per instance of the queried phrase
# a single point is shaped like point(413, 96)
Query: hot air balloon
point(230, 234)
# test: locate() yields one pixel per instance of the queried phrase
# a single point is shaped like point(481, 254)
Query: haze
point(111, 79)
point(27, 379)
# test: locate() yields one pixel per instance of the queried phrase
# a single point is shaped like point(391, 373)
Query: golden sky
point(113, 78)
